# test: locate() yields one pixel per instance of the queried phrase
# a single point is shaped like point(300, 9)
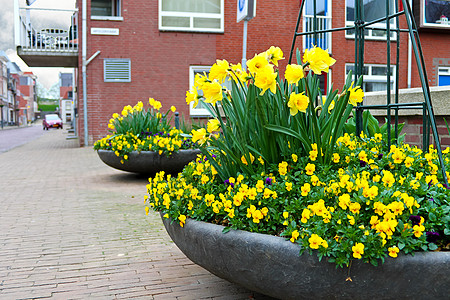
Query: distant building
point(4, 101)
point(27, 98)
point(66, 96)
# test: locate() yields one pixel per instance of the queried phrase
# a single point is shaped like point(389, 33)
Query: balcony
point(43, 45)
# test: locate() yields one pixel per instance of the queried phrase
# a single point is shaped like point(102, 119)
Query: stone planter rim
point(242, 257)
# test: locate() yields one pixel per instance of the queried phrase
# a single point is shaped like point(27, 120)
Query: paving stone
point(74, 228)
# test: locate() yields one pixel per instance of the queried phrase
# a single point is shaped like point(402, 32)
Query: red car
point(51, 121)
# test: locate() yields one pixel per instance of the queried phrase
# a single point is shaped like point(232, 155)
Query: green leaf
point(447, 231)
point(432, 246)
point(401, 246)
point(432, 217)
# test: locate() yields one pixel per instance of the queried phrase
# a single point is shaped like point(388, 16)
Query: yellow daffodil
point(213, 125)
point(258, 62)
point(356, 95)
point(274, 54)
point(212, 91)
point(319, 60)
point(266, 79)
point(199, 136)
point(298, 102)
point(219, 71)
point(293, 73)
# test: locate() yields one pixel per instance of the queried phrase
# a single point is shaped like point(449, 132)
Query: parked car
point(52, 121)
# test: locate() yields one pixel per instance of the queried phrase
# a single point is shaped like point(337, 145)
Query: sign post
point(246, 10)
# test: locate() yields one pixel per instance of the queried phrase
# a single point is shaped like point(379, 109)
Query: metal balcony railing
point(45, 38)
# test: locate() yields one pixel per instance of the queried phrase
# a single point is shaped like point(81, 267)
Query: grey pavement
point(12, 136)
point(74, 228)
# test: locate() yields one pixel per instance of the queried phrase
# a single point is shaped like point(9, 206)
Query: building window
point(191, 15)
point(105, 9)
point(200, 110)
point(117, 70)
point(375, 77)
point(443, 76)
point(372, 10)
point(323, 13)
point(24, 80)
point(436, 13)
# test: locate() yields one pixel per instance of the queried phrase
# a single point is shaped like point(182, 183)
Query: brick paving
point(73, 228)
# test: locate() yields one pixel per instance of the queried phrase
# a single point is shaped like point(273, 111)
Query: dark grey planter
point(272, 266)
point(149, 162)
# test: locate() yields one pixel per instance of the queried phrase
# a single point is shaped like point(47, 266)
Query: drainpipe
point(83, 70)
point(409, 55)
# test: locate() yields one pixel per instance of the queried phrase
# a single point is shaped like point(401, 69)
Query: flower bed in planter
point(272, 266)
point(149, 162)
point(143, 141)
point(287, 163)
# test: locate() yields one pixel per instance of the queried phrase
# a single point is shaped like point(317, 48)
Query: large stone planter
point(271, 265)
point(149, 162)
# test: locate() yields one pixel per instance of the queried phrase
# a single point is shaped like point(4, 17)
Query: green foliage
point(48, 107)
point(371, 126)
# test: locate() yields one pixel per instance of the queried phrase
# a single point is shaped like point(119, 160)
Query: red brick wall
point(414, 130)
point(160, 60)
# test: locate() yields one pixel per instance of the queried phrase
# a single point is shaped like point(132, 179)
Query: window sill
point(187, 30)
point(106, 18)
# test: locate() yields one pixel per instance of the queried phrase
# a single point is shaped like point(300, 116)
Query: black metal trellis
point(360, 25)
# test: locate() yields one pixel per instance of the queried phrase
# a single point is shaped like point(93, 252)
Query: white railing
point(46, 38)
point(323, 39)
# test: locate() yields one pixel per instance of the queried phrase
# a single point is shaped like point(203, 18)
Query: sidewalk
point(74, 228)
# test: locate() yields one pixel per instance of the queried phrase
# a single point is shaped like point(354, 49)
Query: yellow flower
point(219, 70)
point(393, 251)
point(319, 60)
point(212, 91)
point(266, 79)
point(351, 219)
point(244, 160)
point(274, 54)
point(295, 235)
point(258, 62)
point(331, 106)
point(293, 73)
point(288, 186)
point(182, 219)
point(306, 188)
point(418, 230)
point(315, 241)
point(173, 108)
point(336, 158)
point(356, 95)
point(298, 102)
point(200, 80)
point(355, 207)
point(358, 250)
point(199, 135)
point(388, 178)
point(213, 125)
point(294, 157)
point(310, 168)
point(147, 210)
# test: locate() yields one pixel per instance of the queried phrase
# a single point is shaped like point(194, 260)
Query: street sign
point(246, 10)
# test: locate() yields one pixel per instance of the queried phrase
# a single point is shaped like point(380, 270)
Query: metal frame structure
point(360, 25)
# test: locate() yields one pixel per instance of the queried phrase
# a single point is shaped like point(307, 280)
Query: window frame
point(116, 17)
point(424, 24)
point(328, 18)
point(191, 16)
point(105, 60)
point(374, 78)
point(370, 35)
point(442, 71)
point(197, 112)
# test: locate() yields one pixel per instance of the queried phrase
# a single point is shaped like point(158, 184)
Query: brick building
point(141, 49)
